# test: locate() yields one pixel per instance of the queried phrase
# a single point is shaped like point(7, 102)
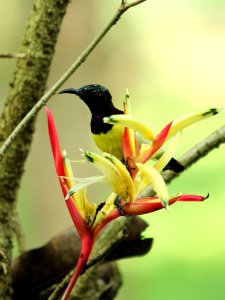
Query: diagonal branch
point(33, 112)
point(214, 140)
point(12, 55)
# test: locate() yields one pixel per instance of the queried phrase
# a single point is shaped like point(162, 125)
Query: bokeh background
point(171, 56)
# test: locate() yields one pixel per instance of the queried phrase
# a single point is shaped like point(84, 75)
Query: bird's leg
point(119, 206)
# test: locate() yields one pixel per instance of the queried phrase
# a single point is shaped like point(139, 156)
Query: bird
point(108, 138)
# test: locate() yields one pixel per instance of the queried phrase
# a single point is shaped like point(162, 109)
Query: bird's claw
point(119, 206)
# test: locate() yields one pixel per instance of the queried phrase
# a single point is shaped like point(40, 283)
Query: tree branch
point(44, 99)
point(12, 55)
point(122, 235)
point(60, 254)
point(214, 140)
point(26, 88)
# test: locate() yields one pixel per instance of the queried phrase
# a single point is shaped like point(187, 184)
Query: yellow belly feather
point(111, 142)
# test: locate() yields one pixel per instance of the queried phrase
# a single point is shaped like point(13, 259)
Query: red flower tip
point(158, 142)
point(54, 140)
point(190, 197)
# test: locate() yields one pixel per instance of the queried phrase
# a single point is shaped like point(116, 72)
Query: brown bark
point(26, 88)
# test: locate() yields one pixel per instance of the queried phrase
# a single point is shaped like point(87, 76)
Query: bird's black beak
point(71, 91)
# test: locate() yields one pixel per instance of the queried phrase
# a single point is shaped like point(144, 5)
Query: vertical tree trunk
point(26, 88)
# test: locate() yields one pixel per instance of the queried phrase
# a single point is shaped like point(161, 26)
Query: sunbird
point(107, 137)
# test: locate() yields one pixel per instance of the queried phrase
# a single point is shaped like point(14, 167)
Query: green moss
point(26, 88)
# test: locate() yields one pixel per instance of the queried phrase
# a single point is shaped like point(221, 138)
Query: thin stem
point(12, 55)
point(33, 112)
point(87, 244)
point(101, 254)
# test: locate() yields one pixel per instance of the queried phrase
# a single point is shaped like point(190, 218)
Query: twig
point(122, 235)
point(12, 55)
point(44, 99)
point(214, 140)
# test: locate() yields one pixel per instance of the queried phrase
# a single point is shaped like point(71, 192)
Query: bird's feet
point(117, 203)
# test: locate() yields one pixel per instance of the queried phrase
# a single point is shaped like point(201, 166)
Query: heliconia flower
point(115, 172)
point(151, 146)
point(127, 179)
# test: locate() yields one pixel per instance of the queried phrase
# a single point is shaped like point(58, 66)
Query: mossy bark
point(27, 86)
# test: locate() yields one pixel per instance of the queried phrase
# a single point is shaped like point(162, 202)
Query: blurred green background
point(171, 56)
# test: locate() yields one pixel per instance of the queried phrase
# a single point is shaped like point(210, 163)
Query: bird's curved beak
point(71, 91)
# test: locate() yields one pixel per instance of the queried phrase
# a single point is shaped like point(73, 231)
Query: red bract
point(150, 204)
point(83, 230)
point(157, 143)
point(146, 205)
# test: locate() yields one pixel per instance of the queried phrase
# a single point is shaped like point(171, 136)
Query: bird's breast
point(111, 141)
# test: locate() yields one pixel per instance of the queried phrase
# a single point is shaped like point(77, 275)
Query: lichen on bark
point(27, 86)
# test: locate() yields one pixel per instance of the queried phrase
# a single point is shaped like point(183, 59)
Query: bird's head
point(96, 97)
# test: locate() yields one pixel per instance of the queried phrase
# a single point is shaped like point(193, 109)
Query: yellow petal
point(140, 184)
point(168, 154)
point(130, 188)
point(91, 212)
point(158, 184)
point(110, 171)
point(143, 150)
point(79, 197)
point(68, 170)
point(190, 119)
point(106, 209)
point(131, 122)
point(88, 210)
point(127, 106)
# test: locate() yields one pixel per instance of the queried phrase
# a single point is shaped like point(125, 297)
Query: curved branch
point(29, 272)
point(44, 99)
